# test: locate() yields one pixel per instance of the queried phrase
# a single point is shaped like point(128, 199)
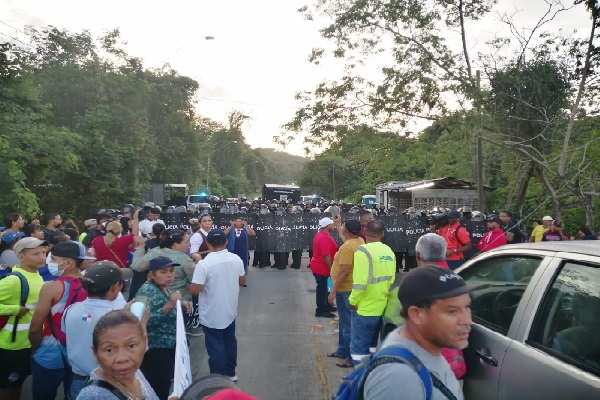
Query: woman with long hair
point(174, 244)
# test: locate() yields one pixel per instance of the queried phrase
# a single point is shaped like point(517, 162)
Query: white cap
point(547, 218)
point(323, 222)
point(28, 243)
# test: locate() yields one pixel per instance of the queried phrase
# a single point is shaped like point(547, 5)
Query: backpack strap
point(398, 355)
point(456, 233)
point(442, 388)
point(105, 385)
point(23, 300)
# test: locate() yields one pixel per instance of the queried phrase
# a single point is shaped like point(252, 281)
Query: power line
point(12, 27)
point(16, 40)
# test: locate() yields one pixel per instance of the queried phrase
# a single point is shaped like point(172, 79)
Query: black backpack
point(24, 295)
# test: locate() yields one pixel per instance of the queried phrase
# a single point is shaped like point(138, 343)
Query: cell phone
point(335, 212)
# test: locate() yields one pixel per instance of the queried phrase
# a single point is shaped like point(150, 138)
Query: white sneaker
point(196, 332)
point(233, 378)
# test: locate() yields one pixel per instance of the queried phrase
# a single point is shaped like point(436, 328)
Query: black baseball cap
point(216, 237)
point(68, 249)
point(453, 214)
point(430, 282)
point(103, 274)
point(494, 218)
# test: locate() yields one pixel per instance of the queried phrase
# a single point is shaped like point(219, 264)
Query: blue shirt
point(78, 323)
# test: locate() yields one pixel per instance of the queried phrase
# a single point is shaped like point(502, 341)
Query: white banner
point(183, 369)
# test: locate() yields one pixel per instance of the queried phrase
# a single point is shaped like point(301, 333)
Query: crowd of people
point(363, 272)
point(60, 287)
point(59, 290)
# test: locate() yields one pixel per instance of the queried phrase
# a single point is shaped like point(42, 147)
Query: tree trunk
point(562, 166)
point(556, 209)
point(523, 186)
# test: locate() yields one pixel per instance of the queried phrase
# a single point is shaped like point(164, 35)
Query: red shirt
point(323, 245)
point(119, 249)
point(491, 240)
point(449, 233)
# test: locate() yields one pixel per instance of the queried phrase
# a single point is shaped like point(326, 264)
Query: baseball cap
point(557, 223)
point(69, 249)
point(453, 214)
point(9, 237)
point(89, 222)
point(104, 274)
point(547, 218)
point(218, 387)
point(82, 255)
point(494, 218)
point(431, 282)
point(29, 243)
point(160, 263)
point(216, 236)
point(155, 210)
point(353, 226)
point(323, 222)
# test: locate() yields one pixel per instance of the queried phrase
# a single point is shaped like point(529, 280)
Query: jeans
point(221, 346)
point(76, 387)
point(46, 381)
point(454, 264)
point(364, 334)
point(321, 294)
point(345, 323)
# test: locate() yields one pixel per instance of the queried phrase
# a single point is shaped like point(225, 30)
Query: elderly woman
point(159, 361)
point(119, 344)
point(174, 244)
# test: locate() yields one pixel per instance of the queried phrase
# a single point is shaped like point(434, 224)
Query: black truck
point(281, 192)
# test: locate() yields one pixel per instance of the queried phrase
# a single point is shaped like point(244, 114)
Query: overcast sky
point(257, 60)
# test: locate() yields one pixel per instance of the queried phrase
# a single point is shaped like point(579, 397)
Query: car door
point(497, 312)
point(558, 343)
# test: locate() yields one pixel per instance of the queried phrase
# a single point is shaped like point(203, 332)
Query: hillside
point(283, 168)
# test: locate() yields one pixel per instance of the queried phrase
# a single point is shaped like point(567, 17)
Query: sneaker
point(233, 378)
point(196, 332)
point(332, 309)
point(325, 314)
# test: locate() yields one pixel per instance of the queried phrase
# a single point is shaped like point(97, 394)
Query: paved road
point(281, 345)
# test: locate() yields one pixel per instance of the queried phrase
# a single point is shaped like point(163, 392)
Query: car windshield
point(195, 199)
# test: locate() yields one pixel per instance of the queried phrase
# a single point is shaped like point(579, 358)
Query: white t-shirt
point(196, 240)
point(219, 274)
point(401, 381)
point(146, 226)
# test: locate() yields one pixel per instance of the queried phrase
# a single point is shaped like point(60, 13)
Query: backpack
point(469, 253)
point(23, 300)
point(353, 385)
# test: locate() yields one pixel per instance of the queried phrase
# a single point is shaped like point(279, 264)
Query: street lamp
point(208, 164)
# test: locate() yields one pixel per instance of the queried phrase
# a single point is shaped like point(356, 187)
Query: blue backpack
point(353, 385)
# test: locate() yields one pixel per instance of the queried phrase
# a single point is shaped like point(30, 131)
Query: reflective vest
point(374, 272)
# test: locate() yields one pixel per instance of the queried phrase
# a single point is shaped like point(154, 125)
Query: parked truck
point(281, 192)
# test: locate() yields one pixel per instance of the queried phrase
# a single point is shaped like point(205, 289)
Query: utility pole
point(333, 180)
point(480, 195)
